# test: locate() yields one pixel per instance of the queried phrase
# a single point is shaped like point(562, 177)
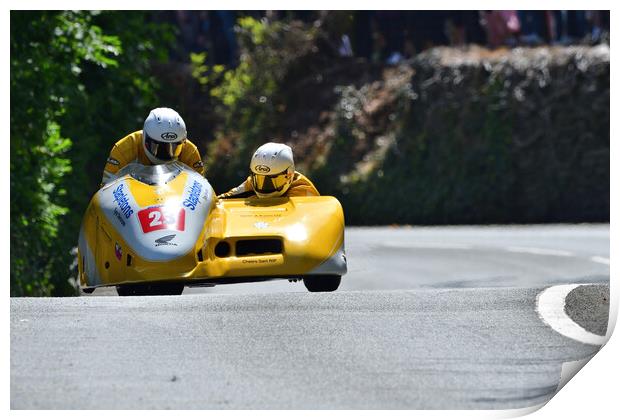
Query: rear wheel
point(321, 283)
point(150, 289)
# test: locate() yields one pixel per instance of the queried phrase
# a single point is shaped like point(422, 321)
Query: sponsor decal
point(113, 161)
point(118, 251)
point(261, 225)
point(165, 240)
point(159, 218)
point(120, 197)
point(198, 164)
point(169, 136)
point(262, 168)
point(194, 196)
point(260, 261)
point(119, 217)
point(255, 215)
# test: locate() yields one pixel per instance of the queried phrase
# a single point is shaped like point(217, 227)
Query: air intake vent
point(222, 249)
point(258, 247)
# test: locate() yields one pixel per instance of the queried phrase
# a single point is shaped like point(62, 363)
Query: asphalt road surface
point(426, 318)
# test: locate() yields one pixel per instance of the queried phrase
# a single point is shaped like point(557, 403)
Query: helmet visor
point(163, 150)
point(267, 184)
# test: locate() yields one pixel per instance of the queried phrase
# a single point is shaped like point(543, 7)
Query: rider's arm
point(191, 157)
point(243, 190)
point(302, 187)
point(303, 191)
point(122, 153)
point(112, 166)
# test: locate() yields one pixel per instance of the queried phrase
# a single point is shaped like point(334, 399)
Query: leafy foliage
point(79, 81)
point(251, 99)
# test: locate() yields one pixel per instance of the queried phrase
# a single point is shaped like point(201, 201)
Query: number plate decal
point(159, 218)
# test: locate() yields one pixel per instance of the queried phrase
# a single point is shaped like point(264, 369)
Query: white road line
point(428, 245)
point(600, 260)
point(550, 307)
point(540, 251)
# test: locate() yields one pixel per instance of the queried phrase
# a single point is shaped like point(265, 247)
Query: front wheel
point(321, 283)
point(150, 289)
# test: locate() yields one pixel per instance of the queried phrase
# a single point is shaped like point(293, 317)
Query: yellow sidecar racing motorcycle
point(156, 229)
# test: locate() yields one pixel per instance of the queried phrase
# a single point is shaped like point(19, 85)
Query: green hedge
point(515, 136)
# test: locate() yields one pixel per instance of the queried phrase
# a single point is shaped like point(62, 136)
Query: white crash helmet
point(163, 135)
point(272, 170)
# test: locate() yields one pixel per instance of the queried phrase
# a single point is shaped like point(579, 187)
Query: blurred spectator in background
point(601, 18)
point(463, 27)
point(534, 28)
point(569, 26)
point(212, 31)
point(593, 17)
point(391, 36)
point(427, 29)
point(391, 25)
point(189, 25)
point(345, 49)
point(362, 33)
point(224, 35)
point(502, 27)
point(598, 25)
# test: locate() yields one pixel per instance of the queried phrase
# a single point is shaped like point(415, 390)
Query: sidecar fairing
point(158, 228)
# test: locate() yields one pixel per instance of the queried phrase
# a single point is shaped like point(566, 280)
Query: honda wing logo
point(262, 168)
point(165, 240)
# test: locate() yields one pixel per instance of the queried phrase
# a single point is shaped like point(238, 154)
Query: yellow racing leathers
point(129, 149)
point(300, 187)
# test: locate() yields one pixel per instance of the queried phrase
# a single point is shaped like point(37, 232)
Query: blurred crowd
point(391, 36)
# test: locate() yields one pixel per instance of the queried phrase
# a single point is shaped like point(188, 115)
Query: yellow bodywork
point(309, 229)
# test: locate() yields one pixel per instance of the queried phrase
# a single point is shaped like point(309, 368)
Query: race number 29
point(158, 218)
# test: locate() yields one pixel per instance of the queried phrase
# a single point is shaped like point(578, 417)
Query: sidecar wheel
point(150, 289)
point(130, 290)
point(167, 289)
point(321, 283)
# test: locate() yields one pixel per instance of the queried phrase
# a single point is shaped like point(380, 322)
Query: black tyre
point(86, 290)
point(321, 283)
point(167, 289)
point(150, 289)
point(137, 290)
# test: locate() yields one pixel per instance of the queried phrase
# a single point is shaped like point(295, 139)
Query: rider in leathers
point(272, 174)
point(163, 139)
